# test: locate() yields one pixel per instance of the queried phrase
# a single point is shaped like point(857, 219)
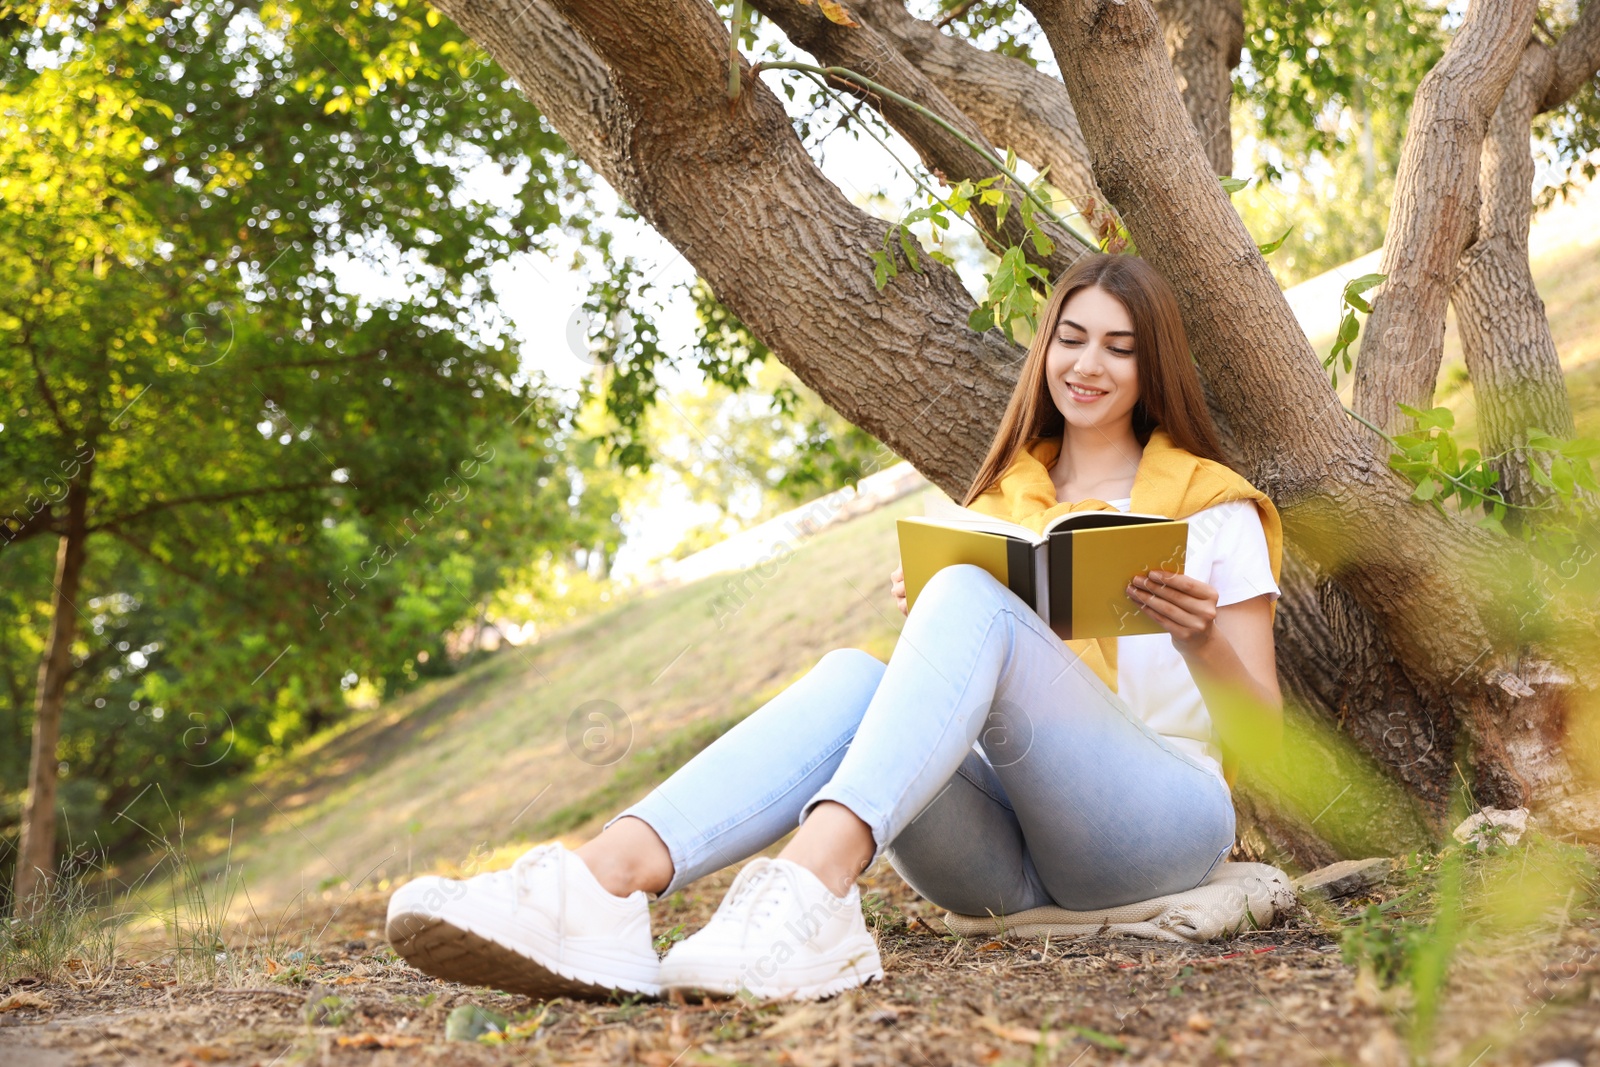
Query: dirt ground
point(1277, 996)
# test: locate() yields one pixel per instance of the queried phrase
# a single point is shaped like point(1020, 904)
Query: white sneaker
point(545, 928)
point(779, 934)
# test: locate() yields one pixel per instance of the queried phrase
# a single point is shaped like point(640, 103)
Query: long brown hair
point(1169, 385)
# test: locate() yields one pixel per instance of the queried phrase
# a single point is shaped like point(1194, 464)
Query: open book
point(1074, 574)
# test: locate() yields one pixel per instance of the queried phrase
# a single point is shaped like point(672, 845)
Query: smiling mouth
point(1085, 391)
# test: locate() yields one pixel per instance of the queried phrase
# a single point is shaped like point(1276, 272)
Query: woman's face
point(1093, 348)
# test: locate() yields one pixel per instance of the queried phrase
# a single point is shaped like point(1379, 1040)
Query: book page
point(946, 512)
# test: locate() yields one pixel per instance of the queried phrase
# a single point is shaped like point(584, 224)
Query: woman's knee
point(960, 586)
point(854, 665)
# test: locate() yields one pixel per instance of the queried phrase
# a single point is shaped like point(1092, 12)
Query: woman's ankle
point(627, 858)
point(834, 844)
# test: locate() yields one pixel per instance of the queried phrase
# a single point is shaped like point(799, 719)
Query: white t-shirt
point(1227, 549)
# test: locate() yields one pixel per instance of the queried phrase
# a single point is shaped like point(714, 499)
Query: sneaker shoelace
point(519, 877)
point(762, 893)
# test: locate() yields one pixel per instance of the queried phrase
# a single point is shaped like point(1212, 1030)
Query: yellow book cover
point(1073, 574)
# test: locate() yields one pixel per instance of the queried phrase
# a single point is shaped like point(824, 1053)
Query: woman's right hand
point(897, 586)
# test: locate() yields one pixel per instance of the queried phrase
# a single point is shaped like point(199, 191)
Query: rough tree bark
point(1372, 580)
point(1505, 335)
point(1435, 208)
point(1204, 39)
point(36, 852)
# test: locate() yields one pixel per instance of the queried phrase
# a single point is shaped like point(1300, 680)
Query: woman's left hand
point(1185, 607)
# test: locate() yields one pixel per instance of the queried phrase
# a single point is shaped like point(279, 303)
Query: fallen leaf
point(1199, 1023)
point(209, 1053)
point(348, 979)
point(24, 1001)
point(366, 1040)
point(835, 12)
point(1021, 1034)
point(990, 946)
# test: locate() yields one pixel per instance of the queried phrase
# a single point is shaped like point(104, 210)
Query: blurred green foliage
point(293, 487)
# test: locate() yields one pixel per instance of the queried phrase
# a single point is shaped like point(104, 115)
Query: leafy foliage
point(1015, 285)
point(285, 475)
point(1354, 299)
point(1432, 460)
point(1324, 91)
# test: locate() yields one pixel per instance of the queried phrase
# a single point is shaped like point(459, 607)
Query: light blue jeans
point(995, 769)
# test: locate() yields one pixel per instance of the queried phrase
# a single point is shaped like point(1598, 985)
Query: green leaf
point(1433, 418)
point(1356, 286)
point(882, 270)
point(1581, 448)
point(908, 246)
point(1489, 522)
point(1561, 474)
point(1348, 329)
point(1426, 489)
point(1233, 185)
point(981, 319)
point(1447, 453)
point(1268, 249)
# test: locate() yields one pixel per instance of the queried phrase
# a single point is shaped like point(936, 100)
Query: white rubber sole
point(824, 978)
point(458, 953)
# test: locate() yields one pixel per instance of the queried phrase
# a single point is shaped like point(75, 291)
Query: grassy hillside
point(481, 761)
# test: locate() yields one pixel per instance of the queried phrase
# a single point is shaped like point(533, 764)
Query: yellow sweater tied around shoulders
point(1170, 481)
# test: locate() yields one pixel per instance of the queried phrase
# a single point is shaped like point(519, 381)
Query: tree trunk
point(36, 852)
point(1435, 208)
point(1377, 556)
point(1505, 335)
point(1204, 39)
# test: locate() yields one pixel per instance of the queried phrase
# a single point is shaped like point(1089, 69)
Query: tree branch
point(1011, 102)
point(1204, 39)
point(944, 150)
point(1506, 340)
point(732, 188)
point(45, 391)
point(1435, 210)
point(41, 521)
point(1577, 57)
point(201, 498)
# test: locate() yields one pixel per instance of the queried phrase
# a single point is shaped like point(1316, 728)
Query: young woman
point(997, 767)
